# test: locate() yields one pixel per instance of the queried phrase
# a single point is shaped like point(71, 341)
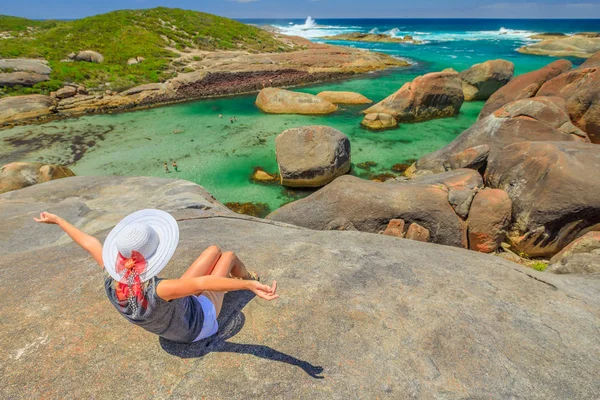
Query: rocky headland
point(190, 68)
point(581, 45)
point(372, 38)
point(359, 314)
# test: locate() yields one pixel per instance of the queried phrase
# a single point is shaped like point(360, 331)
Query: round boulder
point(89, 56)
point(312, 156)
point(379, 121)
point(482, 80)
point(344, 97)
point(280, 101)
point(488, 220)
point(18, 175)
point(66, 92)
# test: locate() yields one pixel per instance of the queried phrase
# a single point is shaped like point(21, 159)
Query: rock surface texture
point(375, 316)
point(489, 218)
point(312, 156)
point(379, 121)
point(524, 86)
point(554, 192)
point(581, 256)
point(280, 101)
point(434, 95)
point(18, 108)
point(89, 56)
point(21, 79)
point(482, 80)
point(18, 175)
point(344, 97)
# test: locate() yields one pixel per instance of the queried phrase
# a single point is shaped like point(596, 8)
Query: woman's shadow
point(231, 320)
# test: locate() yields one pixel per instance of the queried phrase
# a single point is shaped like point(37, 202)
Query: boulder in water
point(280, 101)
point(312, 156)
point(18, 175)
point(434, 95)
point(482, 80)
point(379, 121)
point(344, 97)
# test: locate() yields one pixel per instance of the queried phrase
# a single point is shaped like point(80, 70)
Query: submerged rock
point(379, 121)
point(554, 191)
point(18, 175)
point(434, 318)
point(434, 95)
point(344, 97)
point(524, 86)
point(482, 80)
point(581, 256)
point(280, 101)
point(262, 176)
point(258, 210)
point(312, 156)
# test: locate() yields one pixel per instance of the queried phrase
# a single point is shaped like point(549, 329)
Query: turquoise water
point(221, 156)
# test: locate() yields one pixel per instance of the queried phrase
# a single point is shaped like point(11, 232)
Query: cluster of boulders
point(521, 178)
point(23, 72)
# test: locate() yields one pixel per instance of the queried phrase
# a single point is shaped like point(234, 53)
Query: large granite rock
point(351, 203)
point(482, 80)
point(19, 108)
point(581, 256)
point(375, 316)
point(554, 191)
point(280, 101)
point(489, 217)
point(18, 175)
point(379, 121)
point(344, 97)
point(534, 119)
point(593, 61)
point(26, 65)
point(312, 156)
point(580, 87)
point(89, 56)
point(580, 46)
point(434, 95)
point(11, 79)
point(524, 86)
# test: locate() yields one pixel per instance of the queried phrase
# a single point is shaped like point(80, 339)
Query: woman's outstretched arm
point(88, 242)
point(170, 289)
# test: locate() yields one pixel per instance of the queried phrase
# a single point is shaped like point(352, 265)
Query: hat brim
point(168, 234)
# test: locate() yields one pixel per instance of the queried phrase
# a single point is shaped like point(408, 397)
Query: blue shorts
point(210, 325)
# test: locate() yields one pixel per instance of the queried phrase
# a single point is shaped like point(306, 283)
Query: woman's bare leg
point(204, 264)
point(227, 264)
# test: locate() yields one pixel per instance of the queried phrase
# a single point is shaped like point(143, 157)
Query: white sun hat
point(152, 233)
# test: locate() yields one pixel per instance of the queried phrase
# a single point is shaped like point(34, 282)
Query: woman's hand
point(264, 291)
point(47, 218)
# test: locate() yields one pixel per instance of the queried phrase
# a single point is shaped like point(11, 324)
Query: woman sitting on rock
point(137, 249)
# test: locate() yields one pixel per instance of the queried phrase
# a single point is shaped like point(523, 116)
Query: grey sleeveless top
point(179, 320)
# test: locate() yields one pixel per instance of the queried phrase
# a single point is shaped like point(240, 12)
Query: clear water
point(221, 156)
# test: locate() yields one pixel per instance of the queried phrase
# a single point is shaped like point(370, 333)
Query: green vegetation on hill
point(121, 35)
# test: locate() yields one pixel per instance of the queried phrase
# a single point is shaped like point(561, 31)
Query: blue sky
point(318, 8)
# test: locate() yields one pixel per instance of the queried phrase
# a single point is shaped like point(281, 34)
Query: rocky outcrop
point(434, 318)
point(89, 56)
point(489, 217)
point(482, 80)
point(434, 95)
point(351, 203)
point(581, 46)
point(372, 38)
point(535, 119)
point(582, 256)
point(593, 61)
point(18, 175)
point(343, 97)
point(19, 108)
point(280, 101)
point(379, 121)
point(554, 192)
point(312, 156)
point(524, 86)
point(37, 66)
point(66, 92)
point(21, 79)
